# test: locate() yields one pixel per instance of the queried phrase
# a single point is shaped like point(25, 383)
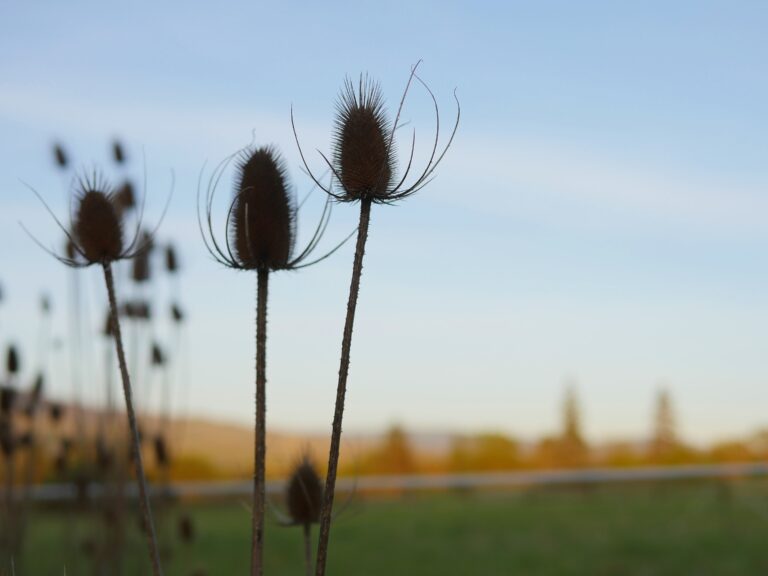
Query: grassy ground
point(701, 529)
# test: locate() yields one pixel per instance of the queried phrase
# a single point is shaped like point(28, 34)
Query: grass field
point(679, 529)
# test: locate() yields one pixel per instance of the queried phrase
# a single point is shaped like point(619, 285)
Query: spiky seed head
point(363, 156)
point(60, 156)
point(12, 360)
point(98, 229)
point(262, 216)
point(304, 494)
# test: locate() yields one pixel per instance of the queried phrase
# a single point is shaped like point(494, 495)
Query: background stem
point(257, 545)
point(146, 510)
point(308, 548)
point(341, 391)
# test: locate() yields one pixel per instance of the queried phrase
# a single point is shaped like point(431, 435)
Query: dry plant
point(363, 167)
point(260, 236)
point(97, 237)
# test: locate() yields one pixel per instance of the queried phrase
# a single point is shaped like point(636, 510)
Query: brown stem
point(333, 457)
point(308, 548)
point(146, 510)
point(260, 449)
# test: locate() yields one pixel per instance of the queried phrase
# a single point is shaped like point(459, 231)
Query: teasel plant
point(260, 236)
point(97, 237)
point(303, 498)
point(363, 168)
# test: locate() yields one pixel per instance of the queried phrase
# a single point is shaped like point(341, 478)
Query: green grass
point(701, 529)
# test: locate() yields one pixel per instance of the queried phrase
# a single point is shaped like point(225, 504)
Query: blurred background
point(582, 287)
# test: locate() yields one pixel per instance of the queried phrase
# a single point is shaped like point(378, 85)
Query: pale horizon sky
point(600, 217)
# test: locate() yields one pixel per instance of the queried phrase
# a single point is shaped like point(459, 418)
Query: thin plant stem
point(333, 457)
point(260, 448)
point(146, 510)
point(308, 548)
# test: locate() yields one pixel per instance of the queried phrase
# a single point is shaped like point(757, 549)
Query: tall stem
point(341, 391)
point(260, 449)
point(146, 510)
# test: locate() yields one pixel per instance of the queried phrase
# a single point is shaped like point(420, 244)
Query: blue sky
point(600, 217)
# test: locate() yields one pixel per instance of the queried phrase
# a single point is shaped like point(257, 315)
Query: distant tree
point(572, 449)
point(664, 442)
point(393, 456)
point(486, 452)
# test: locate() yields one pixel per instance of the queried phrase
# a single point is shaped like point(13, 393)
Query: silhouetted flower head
point(177, 313)
point(261, 219)
point(98, 229)
point(304, 494)
point(363, 163)
point(96, 234)
point(186, 528)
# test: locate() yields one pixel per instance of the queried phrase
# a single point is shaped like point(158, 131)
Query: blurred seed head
point(98, 229)
point(12, 360)
point(262, 216)
point(104, 457)
point(161, 451)
point(186, 528)
point(125, 197)
point(158, 356)
point(304, 494)
point(141, 262)
point(171, 262)
point(117, 152)
point(176, 313)
point(60, 156)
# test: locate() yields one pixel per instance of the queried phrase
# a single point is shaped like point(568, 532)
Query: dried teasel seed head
point(117, 152)
point(186, 528)
point(171, 262)
point(262, 216)
point(304, 494)
point(142, 271)
point(177, 313)
point(363, 156)
point(98, 228)
point(161, 451)
point(12, 360)
point(125, 198)
point(60, 156)
point(158, 356)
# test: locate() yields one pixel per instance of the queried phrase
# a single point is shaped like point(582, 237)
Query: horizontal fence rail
point(522, 479)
